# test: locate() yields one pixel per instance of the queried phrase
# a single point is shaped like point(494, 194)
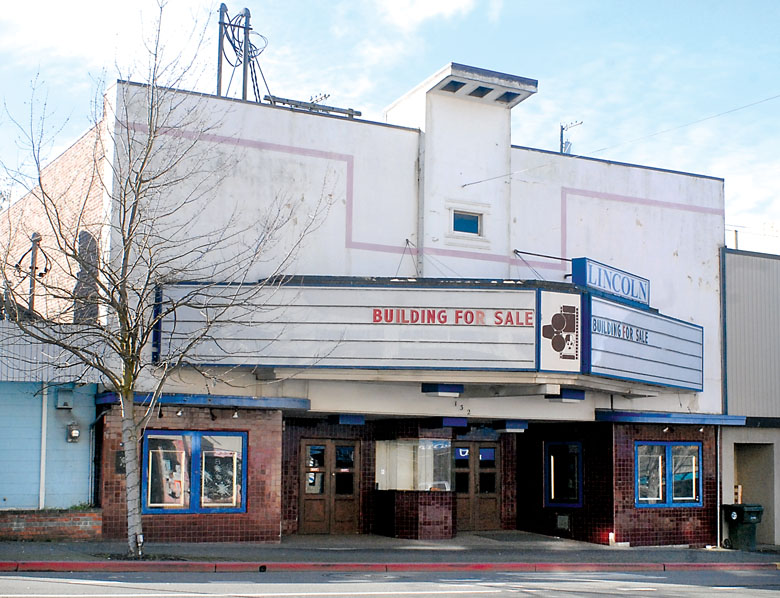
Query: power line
point(690, 124)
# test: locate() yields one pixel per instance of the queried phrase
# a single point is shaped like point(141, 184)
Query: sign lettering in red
point(453, 316)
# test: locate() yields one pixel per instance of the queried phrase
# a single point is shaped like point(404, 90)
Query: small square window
point(467, 222)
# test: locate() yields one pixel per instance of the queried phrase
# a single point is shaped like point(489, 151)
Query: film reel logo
point(563, 332)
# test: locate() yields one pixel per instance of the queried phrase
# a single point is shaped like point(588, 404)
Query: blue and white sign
point(634, 344)
point(589, 273)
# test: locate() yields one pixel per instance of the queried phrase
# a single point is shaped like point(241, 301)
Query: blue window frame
point(466, 222)
point(187, 471)
point(667, 474)
point(562, 474)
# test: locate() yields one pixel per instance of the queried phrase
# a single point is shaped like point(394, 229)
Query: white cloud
point(91, 35)
point(410, 14)
point(494, 10)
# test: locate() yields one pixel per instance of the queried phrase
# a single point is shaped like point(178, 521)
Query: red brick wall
point(72, 184)
point(594, 520)
point(608, 486)
point(297, 428)
point(260, 523)
point(508, 480)
point(696, 526)
point(50, 525)
point(416, 515)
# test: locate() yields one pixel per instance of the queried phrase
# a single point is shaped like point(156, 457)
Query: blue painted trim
point(195, 473)
point(548, 501)
point(157, 330)
point(586, 342)
point(669, 502)
point(365, 367)
point(538, 326)
point(646, 381)
point(515, 424)
point(621, 301)
point(431, 387)
point(573, 393)
point(350, 419)
point(603, 161)
point(454, 422)
point(639, 417)
point(724, 327)
point(507, 284)
point(111, 398)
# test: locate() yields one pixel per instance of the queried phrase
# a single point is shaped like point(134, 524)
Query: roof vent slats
point(481, 91)
point(453, 86)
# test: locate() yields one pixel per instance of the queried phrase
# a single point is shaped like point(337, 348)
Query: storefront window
point(668, 474)
point(563, 474)
point(193, 472)
point(419, 464)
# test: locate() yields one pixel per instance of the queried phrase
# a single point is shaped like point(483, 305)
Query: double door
point(476, 473)
point(329, 497)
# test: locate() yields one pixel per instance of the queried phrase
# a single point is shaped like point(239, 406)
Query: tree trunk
point(132, 476)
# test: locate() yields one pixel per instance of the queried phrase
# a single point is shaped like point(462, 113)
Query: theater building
point(475, 335)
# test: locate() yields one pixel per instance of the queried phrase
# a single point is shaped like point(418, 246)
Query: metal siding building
point(750, 455)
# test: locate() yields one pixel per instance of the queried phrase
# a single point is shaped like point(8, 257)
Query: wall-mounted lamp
point(179, 413)
point(213, 415)
point(235, 414)
point(73, 433)
point(701, 430)
point(666, 429)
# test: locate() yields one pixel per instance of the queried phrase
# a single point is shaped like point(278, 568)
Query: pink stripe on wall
point(667, 205)
point(351, 243)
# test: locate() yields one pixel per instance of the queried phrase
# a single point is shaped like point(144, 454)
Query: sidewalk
point(505, 550)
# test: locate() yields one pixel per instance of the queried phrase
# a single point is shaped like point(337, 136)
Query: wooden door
point(329, 487)
point(477, 483)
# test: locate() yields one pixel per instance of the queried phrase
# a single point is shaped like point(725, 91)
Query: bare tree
point(88, 252)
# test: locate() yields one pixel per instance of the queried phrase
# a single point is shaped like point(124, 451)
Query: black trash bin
point(742, 520)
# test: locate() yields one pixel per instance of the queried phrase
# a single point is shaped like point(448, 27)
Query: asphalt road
point(688, 584)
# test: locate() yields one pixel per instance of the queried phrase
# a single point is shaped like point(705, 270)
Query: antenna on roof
point(236, 32)
point(566, 146)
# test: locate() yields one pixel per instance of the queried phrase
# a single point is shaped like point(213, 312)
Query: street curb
point(257, 567)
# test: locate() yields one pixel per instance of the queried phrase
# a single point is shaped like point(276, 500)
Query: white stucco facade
point(372, 199)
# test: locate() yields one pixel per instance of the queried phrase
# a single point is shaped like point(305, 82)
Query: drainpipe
point(719, 482)
point(421, 205)
point(44, 416)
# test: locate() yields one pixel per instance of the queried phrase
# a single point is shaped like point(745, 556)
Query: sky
point(686, 85)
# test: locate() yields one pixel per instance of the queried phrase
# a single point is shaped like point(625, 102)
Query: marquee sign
point(634, 344)
point(367, 327)
point(460, 327)
point(589, 273)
